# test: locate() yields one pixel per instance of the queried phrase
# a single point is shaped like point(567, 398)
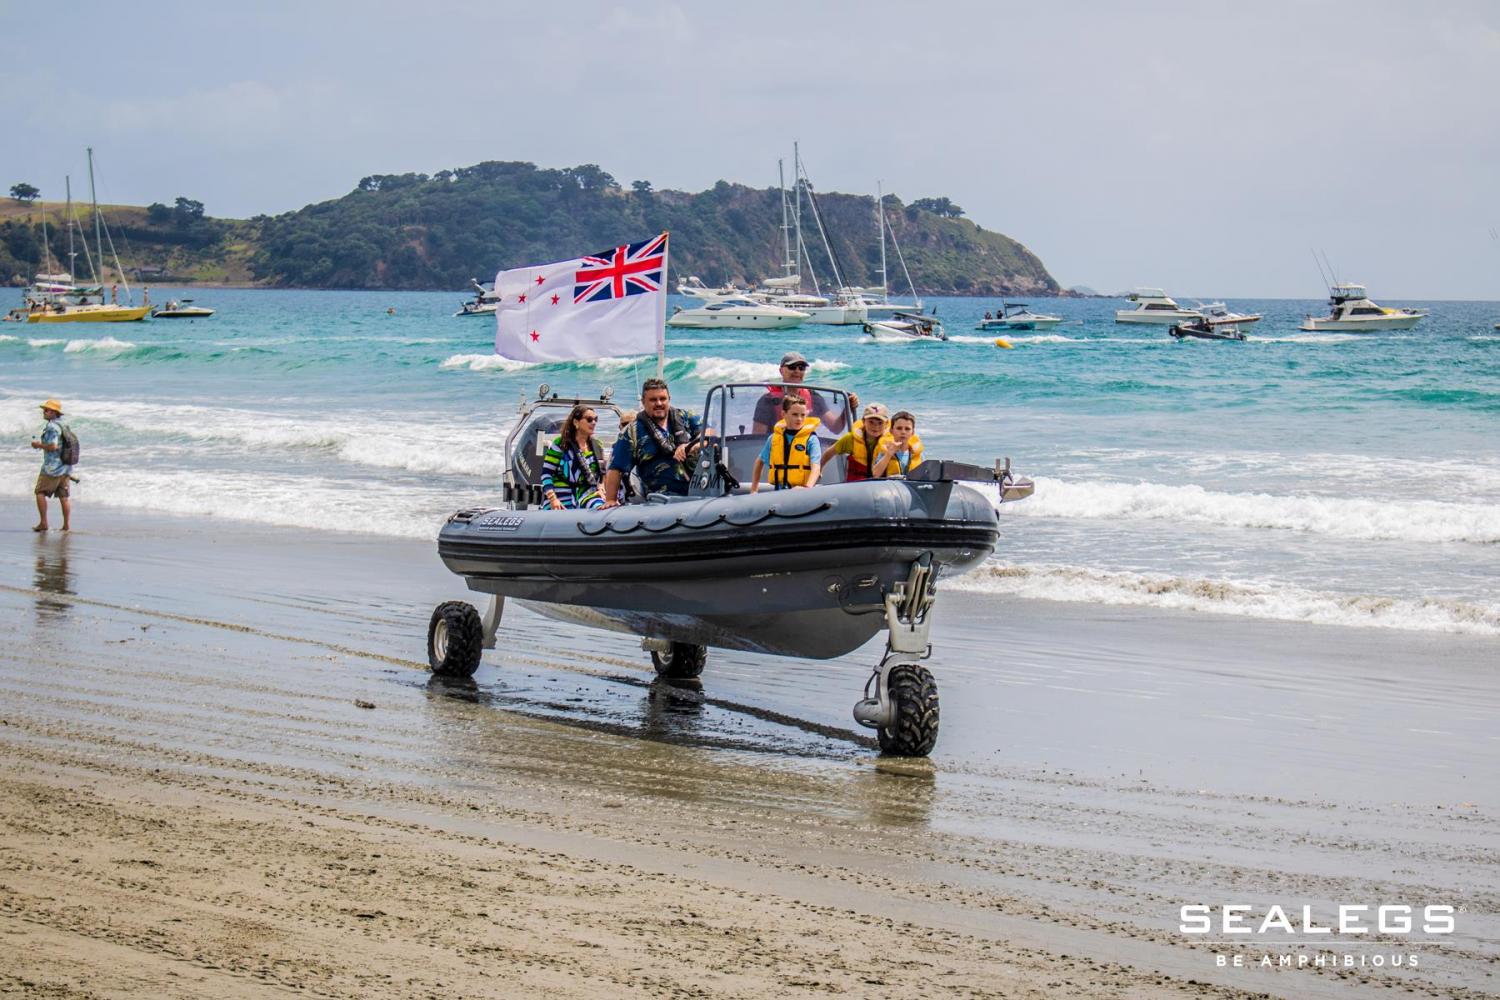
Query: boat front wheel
point(681, 661)
point(455, 639)
point(913, 729)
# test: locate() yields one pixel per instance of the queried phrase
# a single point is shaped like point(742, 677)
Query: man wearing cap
point(863, 443)
point(793, 371)
point(52, 481)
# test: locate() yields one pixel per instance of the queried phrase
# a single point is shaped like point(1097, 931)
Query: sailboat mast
point(786, 229)
point(93, 197)
point(72, 254)
point(73, 223)
point(797, 205)
point(46, 243)
point(880, 225)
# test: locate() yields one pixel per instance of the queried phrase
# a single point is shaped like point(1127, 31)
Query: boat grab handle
point(723, 518)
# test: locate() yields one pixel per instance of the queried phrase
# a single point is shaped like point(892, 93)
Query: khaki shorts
point(52, 486)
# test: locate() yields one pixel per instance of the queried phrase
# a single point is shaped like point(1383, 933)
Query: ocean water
point(1343, 479)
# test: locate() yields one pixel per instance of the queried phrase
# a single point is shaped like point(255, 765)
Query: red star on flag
point(554, 300)
point(523, 298)
point(534, 335)
point(539, 279)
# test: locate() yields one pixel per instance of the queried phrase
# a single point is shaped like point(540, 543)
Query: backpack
point(67, 453)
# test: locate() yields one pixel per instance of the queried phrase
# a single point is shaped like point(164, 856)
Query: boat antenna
point(1331, 269)
point(1326, 283)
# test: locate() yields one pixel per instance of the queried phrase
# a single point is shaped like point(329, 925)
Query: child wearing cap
point(863, 443)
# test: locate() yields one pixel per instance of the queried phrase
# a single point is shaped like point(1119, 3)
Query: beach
point(227, 772)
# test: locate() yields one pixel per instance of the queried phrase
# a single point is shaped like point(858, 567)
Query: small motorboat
point(1350, 309)
point(1221, 313)
point(1205, 328)
point(737, 314)
point(1018, 316)
point(483, 303)
point(181, 309)
point(907, 326)
point(812, 573)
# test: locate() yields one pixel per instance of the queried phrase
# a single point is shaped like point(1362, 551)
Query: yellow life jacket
point(791, 470)
point(859, 455)
point(893, 467)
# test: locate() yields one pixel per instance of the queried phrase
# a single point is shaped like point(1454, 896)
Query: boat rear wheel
point(455, 639)
point(682, 660)
point(913, 730)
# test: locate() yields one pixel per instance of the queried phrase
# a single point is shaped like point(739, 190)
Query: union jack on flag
point(633, 269)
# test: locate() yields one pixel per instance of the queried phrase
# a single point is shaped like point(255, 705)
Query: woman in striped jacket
point(574, 464)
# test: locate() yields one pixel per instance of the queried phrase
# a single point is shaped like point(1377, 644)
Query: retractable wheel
point(913, 730)
point(681, 661)
point(455, 639)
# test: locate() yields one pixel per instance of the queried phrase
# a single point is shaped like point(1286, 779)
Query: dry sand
point(224, 774)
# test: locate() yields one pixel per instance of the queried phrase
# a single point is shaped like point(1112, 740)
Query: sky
point(1205, 147)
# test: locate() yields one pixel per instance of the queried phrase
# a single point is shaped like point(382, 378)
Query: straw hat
point(54, 406)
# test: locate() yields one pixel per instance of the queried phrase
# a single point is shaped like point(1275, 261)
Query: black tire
point(683, 661)
point(455, 640)
point(914, 696)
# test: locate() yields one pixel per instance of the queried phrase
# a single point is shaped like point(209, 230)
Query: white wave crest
point(712, 369)
point(486, 362)
point(1306, 338)
point(105, 345)
point(44, 342)
point(1278, 602)
point(6, 338)
point(1340, 517)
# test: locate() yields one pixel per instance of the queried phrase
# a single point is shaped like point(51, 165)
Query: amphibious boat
point(807, 572)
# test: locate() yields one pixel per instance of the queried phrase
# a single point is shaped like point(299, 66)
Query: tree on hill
point(24, 192)
point(938, 206)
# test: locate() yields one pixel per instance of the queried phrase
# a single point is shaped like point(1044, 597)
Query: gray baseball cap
point(792, 358)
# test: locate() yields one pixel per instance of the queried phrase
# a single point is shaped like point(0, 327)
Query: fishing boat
point(1350, 310)
point(181, 309)
point(484, 301)
point(1219, 312)
point(1208, 328)
point(907, 326)
point(813, 573)
point(737, 314)
point(1018, 316)
point(1156, 307)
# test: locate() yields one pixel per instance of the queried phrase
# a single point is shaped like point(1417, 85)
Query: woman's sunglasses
point(589, 420)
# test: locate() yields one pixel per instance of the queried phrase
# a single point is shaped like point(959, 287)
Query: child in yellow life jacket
point(864, 443)
point(793, 455)
point(904, 452)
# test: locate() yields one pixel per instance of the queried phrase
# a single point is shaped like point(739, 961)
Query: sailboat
point(57, 298)
point(885, 308)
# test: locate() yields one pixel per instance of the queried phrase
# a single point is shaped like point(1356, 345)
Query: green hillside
point(414, 231)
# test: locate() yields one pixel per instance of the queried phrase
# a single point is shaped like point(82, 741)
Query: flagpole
point(661, 318)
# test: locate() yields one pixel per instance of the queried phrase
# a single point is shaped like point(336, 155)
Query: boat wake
point(1274, 601)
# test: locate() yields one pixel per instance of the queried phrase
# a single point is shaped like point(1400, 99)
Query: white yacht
point(907, 326)
point(484, 302)
point(1018, 316)
point(1218, 312)
point(738, 314)
point(693, 287)
point(845, 310)
point(1154, 306)
point(1350, 310)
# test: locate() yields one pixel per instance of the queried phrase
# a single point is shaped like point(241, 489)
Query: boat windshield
point(742, 414)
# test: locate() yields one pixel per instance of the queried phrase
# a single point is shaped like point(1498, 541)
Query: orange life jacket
point(859, 455)
point(791, 467)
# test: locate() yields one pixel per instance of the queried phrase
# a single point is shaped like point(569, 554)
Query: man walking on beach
point(52, 481)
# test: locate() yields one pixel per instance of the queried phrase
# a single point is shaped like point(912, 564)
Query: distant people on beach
point(53, 479)
point(573, 467)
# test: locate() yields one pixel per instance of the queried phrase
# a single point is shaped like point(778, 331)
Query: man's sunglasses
point(801, 366)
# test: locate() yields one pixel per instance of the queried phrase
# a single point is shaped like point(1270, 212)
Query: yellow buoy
point(1002, 342)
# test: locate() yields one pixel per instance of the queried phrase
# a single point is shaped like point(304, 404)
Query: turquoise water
point(1344, 479)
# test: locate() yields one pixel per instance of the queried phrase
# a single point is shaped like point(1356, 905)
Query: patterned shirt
point(567, 474)
point(52, 463)
point(659, 471)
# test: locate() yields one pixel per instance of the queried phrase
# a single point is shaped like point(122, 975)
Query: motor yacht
point(1220, 313)
point(1154, 306)
point(1350, 310)
point(484, 301)
point(738, 314)
point(1018, 316)
point(693, 287)
point(907, 326)
point(183, 309)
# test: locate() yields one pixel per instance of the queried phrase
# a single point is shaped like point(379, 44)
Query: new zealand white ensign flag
point(608, 304)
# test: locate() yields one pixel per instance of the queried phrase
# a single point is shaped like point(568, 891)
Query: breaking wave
point(1277, 602)
point(105, 345)
point(1340, 517)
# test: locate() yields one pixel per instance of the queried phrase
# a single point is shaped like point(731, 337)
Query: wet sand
point(197, 801)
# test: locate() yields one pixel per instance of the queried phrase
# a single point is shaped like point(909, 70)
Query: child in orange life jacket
point(904, 452)
point(793, 454)
point(864, 443)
